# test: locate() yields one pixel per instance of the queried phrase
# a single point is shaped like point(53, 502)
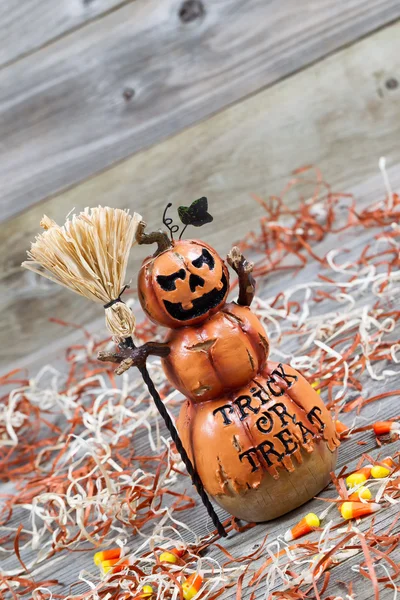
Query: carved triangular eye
point(195, 281)
point(204, 258)
point(167, 282)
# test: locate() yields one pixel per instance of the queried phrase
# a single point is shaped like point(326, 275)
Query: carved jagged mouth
point(200, 306)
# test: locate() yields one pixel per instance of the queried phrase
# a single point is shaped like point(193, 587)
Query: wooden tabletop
point(136, 103)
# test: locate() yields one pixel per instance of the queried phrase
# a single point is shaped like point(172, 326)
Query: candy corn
point(307, 524)
point(171, 556)
point(359, 476)
point(110, 560)
point(147, 591)
point(355, 510)
point(191, 586)
point(386, 427)
point(379, 471)
point(362, 492)
point(315, 384)
point(111, 565)
point(341, 428)
point(106, 555)
point(168, 557)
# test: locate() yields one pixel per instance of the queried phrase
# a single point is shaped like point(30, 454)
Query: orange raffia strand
point(351, 405)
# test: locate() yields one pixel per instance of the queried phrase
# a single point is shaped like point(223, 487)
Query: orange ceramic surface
point(183, 285)
point(256, 432)
point(224, 352)
point(304, 395)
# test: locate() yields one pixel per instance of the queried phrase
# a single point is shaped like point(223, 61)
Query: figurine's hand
point(133, 357)
point(234, 257)
point(243, 268)
point(247, 266)
point(238, 262)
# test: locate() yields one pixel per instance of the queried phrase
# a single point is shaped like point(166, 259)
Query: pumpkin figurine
point(257, 433)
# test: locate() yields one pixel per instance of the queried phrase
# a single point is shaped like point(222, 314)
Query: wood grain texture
point(32, 24)
point(140, 74)
point(337, 114)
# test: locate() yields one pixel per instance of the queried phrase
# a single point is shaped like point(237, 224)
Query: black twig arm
point(129, 356)
point(132, 356)
point(244, 269)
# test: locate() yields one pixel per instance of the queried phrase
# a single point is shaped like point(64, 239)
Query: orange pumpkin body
point(257, 454)
point(226, 351)
point(258, 434)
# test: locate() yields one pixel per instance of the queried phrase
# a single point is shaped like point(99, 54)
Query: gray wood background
point(137, 103)
point(62, 107)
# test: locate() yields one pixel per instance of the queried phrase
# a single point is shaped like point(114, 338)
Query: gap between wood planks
point(69, 30)
point(71, 101)
point(337, 114)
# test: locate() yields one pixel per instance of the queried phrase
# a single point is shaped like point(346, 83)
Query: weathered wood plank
point(140, 74)
point(28, 26)
point(337, 114)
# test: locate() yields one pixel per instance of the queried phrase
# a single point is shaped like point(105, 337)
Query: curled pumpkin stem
point(128, 357)
point(243, 268)
point(155, 237)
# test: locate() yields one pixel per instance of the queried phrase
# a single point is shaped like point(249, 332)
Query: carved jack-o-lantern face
point(183, 285)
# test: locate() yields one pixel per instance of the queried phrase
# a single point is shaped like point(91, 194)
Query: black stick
point(175, 437)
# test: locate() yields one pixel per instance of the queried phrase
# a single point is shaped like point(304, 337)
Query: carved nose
point(195, 281)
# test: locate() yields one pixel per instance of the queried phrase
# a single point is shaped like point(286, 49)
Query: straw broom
point(89, 255)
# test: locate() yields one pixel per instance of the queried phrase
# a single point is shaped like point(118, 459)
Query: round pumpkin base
point(276, 497)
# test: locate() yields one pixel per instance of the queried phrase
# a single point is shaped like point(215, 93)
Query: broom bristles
point(89, 255)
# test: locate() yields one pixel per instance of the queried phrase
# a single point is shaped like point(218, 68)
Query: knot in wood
point(392, 83)
point(191, 10)
point(128, 93)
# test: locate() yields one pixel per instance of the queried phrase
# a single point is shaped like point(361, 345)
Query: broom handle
point(177, 440)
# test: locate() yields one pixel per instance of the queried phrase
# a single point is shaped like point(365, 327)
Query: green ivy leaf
point(196, 214)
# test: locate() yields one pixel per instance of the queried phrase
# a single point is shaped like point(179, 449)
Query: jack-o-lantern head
point(183, 284)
